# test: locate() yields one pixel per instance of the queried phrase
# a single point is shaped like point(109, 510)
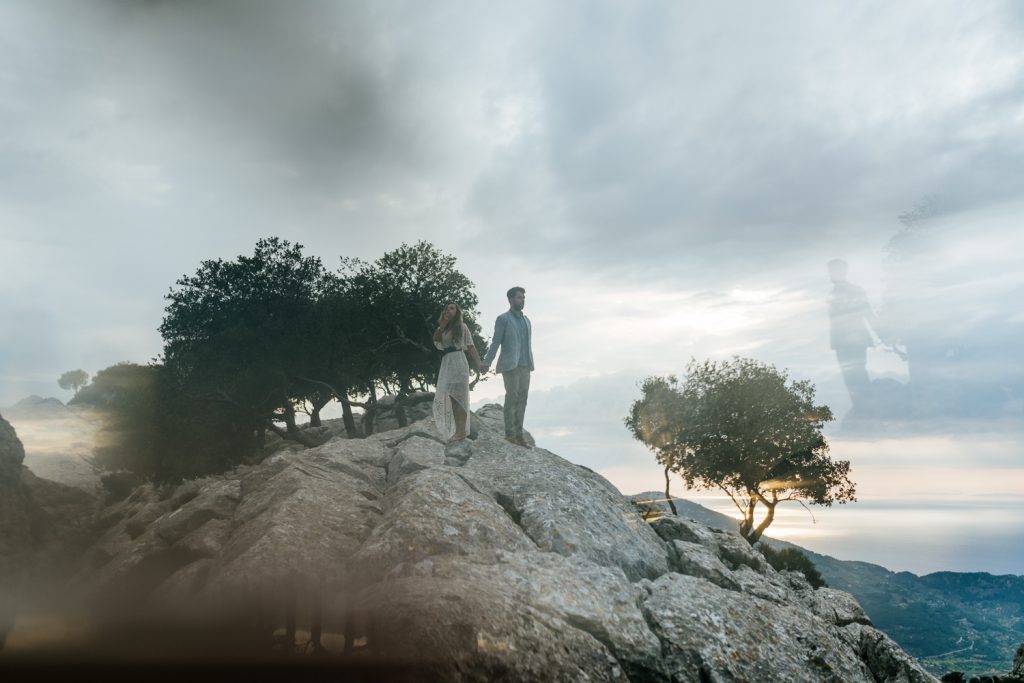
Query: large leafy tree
point(738, 426)
point(398, 298)
point(248, 341)
point(237, 332)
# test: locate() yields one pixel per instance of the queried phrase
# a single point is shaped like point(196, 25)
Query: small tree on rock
point(73, 380)
point(739, 427)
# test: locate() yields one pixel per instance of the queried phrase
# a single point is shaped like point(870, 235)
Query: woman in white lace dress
point(451, 400)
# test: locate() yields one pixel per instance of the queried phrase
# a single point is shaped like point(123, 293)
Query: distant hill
point(36, 407)
point(949, 621)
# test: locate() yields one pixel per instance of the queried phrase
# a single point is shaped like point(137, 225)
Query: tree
point(397, 299)
point(238, 333)
point(124, 395)
point(739, 427)
point(152, 429)
point(73, 379)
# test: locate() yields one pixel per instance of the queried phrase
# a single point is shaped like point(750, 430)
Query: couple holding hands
point(513, 335)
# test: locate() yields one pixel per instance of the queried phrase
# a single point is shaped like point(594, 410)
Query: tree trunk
point(403, 420)
point(747, 525)
point(348, 418)
point(765, 523)
point(318, 404)
point(370, 413)
point(291, 431)
point(669, 495)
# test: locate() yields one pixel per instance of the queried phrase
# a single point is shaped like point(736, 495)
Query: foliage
point(125, 397)
point(73, 379)
point(248, 341)
point(402, 293)
point(237, 332)
point(739, 427)
point(150, 429)
point(111, 386)
point(792, 559)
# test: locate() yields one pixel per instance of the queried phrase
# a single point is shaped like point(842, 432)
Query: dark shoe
point(523, 442)
point(512, 439)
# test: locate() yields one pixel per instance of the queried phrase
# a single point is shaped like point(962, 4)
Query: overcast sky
point(666, 179)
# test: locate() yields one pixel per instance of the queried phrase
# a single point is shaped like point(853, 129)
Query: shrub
point(791, 559)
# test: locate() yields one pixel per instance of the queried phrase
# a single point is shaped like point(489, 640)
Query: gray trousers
point(517, 389)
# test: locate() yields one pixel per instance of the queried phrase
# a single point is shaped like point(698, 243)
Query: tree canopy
point(73, 379)
point(235, 331)
point(248, 342)
point(124, 395)
point(739, 427)
point(401, 295)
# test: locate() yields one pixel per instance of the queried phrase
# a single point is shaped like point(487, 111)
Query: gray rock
point(481, 561)
point(694, 559)
point(435, 512)
point(43, 524)
point(731, 548)
point(837, 607)
point(306, 520)
point(207, 540)
point(414, 454)
point(708, 633)
point(521, 620)
point(216, 500)
point(767, 586)
point(12, 453)
point(565, 508)
point(670, 528)
point(884, 658)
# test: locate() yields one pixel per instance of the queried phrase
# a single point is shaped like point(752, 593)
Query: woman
point(451, 401)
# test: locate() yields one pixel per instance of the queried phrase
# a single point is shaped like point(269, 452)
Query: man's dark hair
point(515, 290)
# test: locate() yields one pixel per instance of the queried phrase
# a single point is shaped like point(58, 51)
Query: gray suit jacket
point(506, 338)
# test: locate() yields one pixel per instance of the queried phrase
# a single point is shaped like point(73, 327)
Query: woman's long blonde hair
point(455, 324)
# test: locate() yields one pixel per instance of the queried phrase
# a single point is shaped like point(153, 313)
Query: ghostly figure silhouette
point(851, 321)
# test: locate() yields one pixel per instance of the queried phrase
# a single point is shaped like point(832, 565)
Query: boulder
point(521, 616)
point(563, 507)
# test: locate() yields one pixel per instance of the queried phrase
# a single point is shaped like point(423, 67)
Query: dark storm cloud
point(345, 99)
point(314, 86)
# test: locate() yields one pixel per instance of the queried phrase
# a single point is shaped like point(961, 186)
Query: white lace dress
point(452, 381)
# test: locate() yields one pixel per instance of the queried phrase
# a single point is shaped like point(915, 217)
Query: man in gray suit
point(513, 334)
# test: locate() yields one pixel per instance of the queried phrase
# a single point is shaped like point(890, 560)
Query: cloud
point(667, 180)
point(681, 134)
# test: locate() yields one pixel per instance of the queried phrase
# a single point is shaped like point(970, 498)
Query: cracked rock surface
point(483, 560)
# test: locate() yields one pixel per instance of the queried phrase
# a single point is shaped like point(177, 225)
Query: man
point(851, 321)
point(513, 334)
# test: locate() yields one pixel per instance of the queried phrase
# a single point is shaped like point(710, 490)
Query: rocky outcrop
point(42, 523)
point(15, 520)
point(481, 560)
point(42, 526)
